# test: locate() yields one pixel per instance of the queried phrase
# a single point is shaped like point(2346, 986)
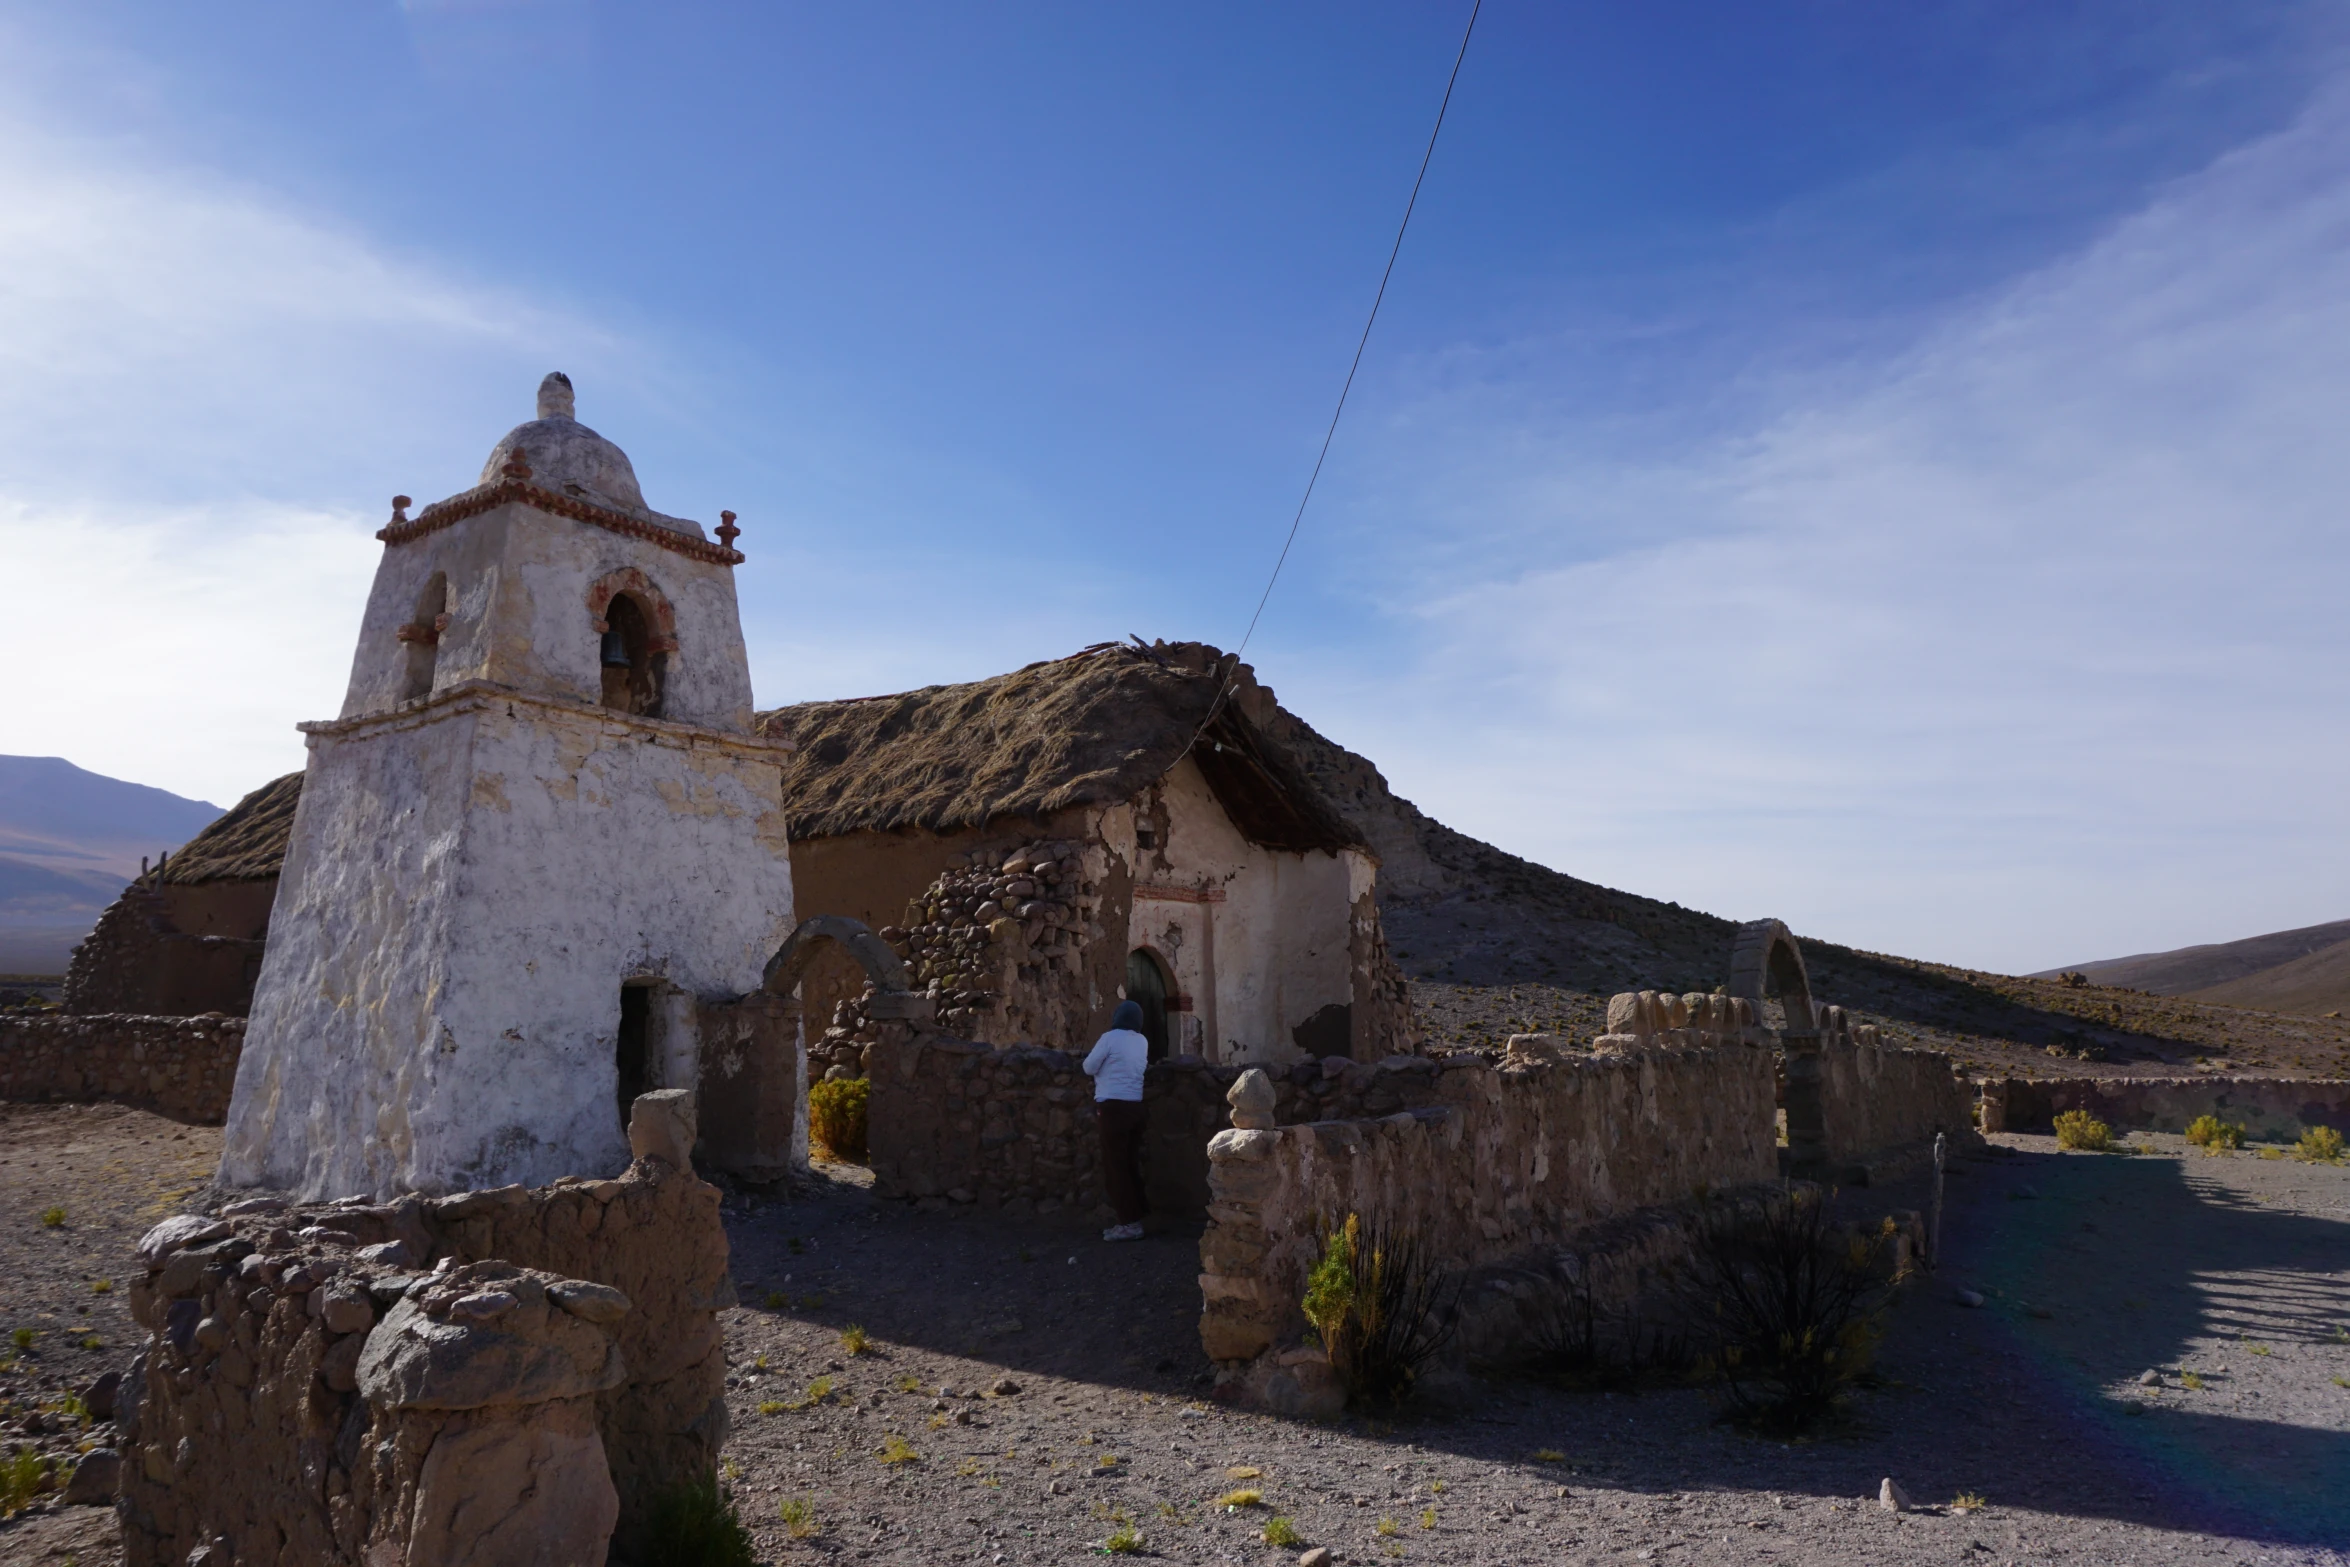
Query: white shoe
point(1123, 1232)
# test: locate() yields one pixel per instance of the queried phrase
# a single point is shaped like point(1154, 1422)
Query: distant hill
point(2317, 985)
point(2305, 970)
point(70, 839)
point(1496, 945)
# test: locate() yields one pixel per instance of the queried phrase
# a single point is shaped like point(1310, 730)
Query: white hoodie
point(1116, 1064)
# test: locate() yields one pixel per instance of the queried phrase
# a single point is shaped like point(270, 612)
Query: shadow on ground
point(2110, 1267)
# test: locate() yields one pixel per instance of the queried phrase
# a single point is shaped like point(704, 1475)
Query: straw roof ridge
point(1095, 728)
point(246, 843)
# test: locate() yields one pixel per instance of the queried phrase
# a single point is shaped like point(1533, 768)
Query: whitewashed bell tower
point(541, 806)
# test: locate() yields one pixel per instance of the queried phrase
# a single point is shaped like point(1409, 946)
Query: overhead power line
point(1370, 321)
point(1232, 662)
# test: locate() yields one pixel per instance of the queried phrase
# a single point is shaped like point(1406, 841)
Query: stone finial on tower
point(555, 399)
point(727, 531)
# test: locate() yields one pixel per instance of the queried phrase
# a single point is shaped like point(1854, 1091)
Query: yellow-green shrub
point(2079, 1129)
point(2213, 1135)
point(836, 1117)
point(2320, 1145)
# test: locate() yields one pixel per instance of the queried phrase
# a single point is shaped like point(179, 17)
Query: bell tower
point(538, 830)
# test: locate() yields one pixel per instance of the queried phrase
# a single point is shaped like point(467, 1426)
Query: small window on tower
point(422, 634)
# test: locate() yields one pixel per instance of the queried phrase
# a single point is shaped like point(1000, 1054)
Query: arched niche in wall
point(422, 635)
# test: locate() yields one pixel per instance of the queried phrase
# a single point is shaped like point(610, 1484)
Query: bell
point(615, 650)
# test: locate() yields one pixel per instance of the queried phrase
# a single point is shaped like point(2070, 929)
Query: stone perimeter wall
point(182, 1067)
point(953, 1121)
point(1881, 1106)
point(338, 1385)
point(2268, 1108)
point(1504, 1161)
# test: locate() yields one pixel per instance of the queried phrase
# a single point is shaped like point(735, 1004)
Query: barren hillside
point(1497, 945)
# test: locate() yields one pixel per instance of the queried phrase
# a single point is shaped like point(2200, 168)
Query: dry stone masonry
point(499, 1377)
point(959, 1122)
point(1504, 1161)
point(2269, 1109)
point(182, 1067)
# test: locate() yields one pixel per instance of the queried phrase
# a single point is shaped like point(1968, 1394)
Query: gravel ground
point(2147, 1262)
point(2095, 1269)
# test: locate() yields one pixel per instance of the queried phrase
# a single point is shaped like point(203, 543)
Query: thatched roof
point(246, 844)
point(1096, 728)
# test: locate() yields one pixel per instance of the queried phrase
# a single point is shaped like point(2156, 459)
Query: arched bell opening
point(635, 667)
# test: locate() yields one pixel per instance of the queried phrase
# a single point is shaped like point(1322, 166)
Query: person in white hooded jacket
point(1116, 1064)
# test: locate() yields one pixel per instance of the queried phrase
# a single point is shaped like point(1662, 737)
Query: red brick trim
point(637, 585)
point(518, 488)
point(1165, 894)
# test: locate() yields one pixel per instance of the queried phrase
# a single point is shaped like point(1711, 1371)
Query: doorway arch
point(1150, 987)
point(873, 955)
point(1765, 960)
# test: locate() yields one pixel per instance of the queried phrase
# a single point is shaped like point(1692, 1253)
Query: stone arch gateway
point(1765, 960)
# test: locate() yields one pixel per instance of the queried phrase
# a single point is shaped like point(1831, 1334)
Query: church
point(548, 857)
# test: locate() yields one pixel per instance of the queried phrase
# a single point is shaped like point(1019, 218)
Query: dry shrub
point(1577, 1342)
point(836, 1117)
point(694, 1525)
point(23, 1475)
point(2213, 1135)
point(1382, 1307)
point(2320, 1145)
point(2080, 1130)
point(1790, 1302)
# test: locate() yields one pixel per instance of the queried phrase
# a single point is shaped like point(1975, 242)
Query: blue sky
point(1877, 466)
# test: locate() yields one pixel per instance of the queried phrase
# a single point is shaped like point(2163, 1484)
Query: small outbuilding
point(186, 938)
point(1117, 824)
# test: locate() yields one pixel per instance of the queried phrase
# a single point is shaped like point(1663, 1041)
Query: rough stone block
point(661, 1126)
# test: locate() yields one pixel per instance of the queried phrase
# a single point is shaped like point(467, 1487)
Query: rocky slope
point(1496, 945)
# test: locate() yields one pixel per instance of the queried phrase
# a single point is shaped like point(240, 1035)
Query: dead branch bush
point(1789, 1305)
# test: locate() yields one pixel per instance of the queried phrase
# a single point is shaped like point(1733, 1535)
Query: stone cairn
point(994, 942)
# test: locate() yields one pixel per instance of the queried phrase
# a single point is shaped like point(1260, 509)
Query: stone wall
point(424, 1382)
point(182, 1067)
point(2269, 1109)
point(1880, 1107)
point(966, 1123)
point(1502, 1161)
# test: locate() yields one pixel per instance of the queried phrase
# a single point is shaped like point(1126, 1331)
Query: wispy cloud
point(2030, 649)
point(204, 396)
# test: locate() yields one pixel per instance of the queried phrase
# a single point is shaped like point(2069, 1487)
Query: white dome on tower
point(569, 458)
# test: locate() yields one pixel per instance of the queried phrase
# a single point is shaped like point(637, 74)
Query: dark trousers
point(1121, 1124)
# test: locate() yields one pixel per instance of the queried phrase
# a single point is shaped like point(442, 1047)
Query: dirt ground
point(2096, 1269)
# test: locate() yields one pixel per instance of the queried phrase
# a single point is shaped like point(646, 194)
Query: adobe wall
point(339, 1385)
point(1853, 1103)
point(964, 1122)
point(1881, 1106)
point(1505, 1160)
point(1022, 936)
point(929, 884)
point(469, 881)
point(171, 949)
point(181, 1067)
point(2269, 1109)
